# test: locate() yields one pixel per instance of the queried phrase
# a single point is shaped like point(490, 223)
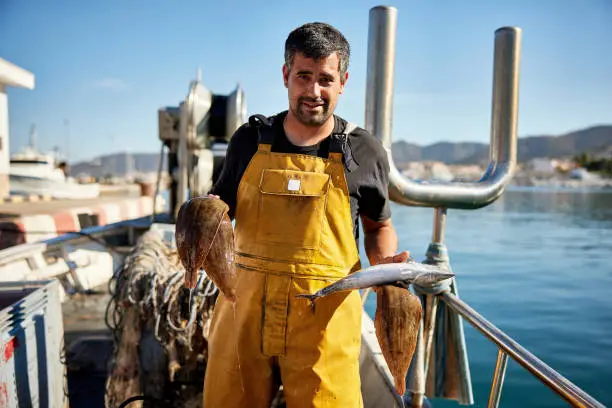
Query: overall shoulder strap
point(264, 128)
point(339, 143)
point(350, 126)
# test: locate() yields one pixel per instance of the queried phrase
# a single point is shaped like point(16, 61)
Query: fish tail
point(191, 278)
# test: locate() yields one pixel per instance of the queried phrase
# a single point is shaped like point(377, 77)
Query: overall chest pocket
point(292, 208)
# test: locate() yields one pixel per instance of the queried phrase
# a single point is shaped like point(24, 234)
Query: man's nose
point(314, 90)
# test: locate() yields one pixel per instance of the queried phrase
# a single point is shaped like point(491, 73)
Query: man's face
point(314, 87)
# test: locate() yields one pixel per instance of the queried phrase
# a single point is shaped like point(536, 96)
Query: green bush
point(601, 165)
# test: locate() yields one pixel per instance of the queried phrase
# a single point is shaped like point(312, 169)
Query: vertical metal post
point(431, 308)
point(439, 226)
point(380, 75)
point(182, 156)
point(498, 379)
point(431, 302)
point(416, 385)
point(504, 107)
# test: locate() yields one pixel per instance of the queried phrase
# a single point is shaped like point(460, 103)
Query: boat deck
point(89, 348)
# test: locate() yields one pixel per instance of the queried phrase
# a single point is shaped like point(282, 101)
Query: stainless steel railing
point(502, 152)
point(509, 347)
point(441, 196)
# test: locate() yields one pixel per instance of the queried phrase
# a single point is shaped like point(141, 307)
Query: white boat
point(33, 172)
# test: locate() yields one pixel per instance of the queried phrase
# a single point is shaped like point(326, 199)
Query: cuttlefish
point(398, 312)
point(397, 321)
point(205, 239)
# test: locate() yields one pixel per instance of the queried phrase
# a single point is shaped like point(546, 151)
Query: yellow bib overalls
point(294, 235)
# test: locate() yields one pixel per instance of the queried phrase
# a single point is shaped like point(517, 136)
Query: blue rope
point(433, 289)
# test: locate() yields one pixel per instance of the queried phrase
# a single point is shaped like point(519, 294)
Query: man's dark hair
point(316, 41)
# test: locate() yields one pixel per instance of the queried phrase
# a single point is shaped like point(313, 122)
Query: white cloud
point(110, 84)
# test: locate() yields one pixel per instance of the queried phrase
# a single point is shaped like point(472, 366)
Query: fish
point(397, 321)
point(205, 239)
point(400, 273)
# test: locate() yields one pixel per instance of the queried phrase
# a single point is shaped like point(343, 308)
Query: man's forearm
point(380, 243)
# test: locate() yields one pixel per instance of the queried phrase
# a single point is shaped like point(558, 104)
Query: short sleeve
point(241, 148)
point(373, 177)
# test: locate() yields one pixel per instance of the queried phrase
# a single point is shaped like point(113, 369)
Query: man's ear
point(343, 81)
point(286, 75)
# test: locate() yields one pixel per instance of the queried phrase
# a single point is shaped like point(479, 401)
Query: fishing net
point(159, 328)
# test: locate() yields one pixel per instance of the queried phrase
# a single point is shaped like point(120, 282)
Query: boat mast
point(67, 152)
point(33, 137)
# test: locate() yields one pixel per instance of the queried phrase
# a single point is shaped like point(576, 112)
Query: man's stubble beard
point(308, 119)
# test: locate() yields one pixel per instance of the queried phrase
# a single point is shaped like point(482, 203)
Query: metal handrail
point(555, 381)
point(504, 114)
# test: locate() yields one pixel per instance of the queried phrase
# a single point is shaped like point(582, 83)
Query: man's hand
point(401, 257)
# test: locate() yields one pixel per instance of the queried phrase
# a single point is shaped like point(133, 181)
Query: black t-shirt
point(367, 178)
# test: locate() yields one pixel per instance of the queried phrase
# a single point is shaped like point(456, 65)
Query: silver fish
point(402, 274)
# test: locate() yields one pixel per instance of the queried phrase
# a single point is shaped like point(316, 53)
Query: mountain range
point(118, 165)
point(594, 140)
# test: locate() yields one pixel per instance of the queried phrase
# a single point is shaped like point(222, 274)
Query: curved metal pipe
point(502, 151)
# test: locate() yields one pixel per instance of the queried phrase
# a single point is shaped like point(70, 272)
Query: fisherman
point(297, 184)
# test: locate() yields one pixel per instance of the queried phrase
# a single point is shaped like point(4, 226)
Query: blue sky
point(107, 66)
